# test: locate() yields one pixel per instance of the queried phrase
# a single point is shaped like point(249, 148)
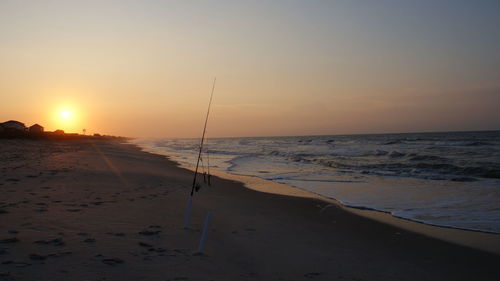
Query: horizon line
point(320, 135)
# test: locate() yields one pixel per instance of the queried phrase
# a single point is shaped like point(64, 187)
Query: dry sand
point(101, 210)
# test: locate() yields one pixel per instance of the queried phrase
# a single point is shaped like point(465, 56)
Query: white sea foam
point(446, 179)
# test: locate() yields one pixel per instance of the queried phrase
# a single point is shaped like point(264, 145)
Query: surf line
point(195, 186)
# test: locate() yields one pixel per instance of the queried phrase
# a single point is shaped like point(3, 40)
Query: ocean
point(449, 179)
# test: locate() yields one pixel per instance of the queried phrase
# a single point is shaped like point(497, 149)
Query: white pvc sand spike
point(204, 233)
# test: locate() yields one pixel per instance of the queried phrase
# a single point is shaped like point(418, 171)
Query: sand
point(104, 210)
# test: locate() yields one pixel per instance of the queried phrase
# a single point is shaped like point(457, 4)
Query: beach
point(105, 210)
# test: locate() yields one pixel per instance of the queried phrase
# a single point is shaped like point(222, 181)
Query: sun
point(66, 117)
point(65, 114)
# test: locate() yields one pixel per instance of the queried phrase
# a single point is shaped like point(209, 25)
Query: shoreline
point(485, 241)
point(106, 210)
point(477, 239)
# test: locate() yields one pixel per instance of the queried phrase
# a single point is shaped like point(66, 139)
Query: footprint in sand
point(149, 232)
point(17, 263)
point(113, 261)
point(157, 250)
point(312, 274)
point(142, 244)
point(53, 242)
point(58, 255)
point(183, 252)
point(37, 257)
point(12, 180)
point(9, 240)
point(178, 278)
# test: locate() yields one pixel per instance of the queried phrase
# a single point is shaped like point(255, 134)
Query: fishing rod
point(208, 169)
point(194, 187)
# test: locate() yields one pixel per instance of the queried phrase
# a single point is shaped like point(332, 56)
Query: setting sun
point(66, 114)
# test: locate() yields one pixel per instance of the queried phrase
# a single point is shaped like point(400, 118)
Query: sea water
point(447, 179)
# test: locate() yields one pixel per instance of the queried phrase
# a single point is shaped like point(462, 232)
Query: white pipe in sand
point(204, 233)
point(187, 216)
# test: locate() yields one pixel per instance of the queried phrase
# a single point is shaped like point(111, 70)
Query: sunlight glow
point(66, 114)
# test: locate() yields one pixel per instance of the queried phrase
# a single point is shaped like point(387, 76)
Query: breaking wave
point(447, 179)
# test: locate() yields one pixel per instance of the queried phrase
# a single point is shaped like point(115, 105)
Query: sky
point(145, 68)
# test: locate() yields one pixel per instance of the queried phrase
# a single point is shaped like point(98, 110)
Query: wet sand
point(102, 210)
point(484, 241)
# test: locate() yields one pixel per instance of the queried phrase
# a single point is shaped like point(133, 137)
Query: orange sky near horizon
point(145, 68)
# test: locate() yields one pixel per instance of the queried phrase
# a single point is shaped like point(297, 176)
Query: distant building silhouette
point(13, 126)
point(17, 130)
point(35, 129)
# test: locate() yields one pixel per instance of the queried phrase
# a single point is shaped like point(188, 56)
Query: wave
point(492, 174)
point(468, 165)
point(392, 142)
point(412, 215)
point(366, 159)
point(419, 170)
point(463, 143)
point(396, 154)
point(428, 158)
